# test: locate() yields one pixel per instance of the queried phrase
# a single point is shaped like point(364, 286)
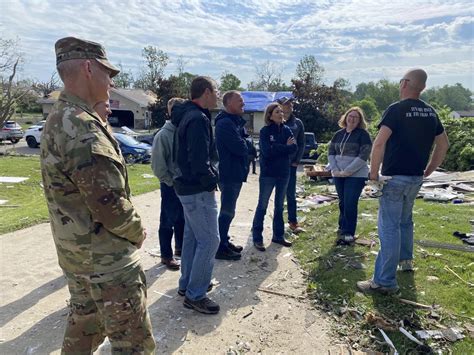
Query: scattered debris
point(470, 284)
point(431, 244)
point(148, 176)
point(409, 336)
point(367, 242)
point(432, 278)
point(12, 179)
point(379, 322)
point(451, 334)
point(388, 341)
point(280, 293)
point(3, 202)
point(416, 304)
point(162, 294)
point(247, 315)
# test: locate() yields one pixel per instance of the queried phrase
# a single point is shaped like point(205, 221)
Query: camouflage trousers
point(112, 305)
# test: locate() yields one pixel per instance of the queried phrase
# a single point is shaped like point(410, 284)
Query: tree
point(319, 107)
point(155, 63)
point(384, 93)
point(229, 82)
point(268, 78)
point(308, 70)
point(12, 91)
point(455, 97)
point(44, 88)
point(369, 107)
point(124, 79)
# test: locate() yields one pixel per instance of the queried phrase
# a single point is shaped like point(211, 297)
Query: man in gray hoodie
point(171, 216)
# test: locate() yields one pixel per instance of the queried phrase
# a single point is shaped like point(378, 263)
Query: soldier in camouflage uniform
point(96, 229)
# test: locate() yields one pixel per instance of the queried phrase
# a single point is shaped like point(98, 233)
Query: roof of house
point(139, 96)
point(257, 101)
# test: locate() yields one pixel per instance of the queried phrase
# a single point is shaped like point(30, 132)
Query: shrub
point(460, 156)
point(323, 153)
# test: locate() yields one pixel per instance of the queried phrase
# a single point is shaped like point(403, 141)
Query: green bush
point(323, 153)
point(460, 155)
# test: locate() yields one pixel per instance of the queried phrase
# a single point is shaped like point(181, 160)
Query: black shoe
point(283, 242)
point(259, 246)
point(209, 289)
point(235, 248)
point(205, 305)
point(177, 252)
point(227, 254)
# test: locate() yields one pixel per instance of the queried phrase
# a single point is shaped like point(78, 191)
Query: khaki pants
point(112, 305)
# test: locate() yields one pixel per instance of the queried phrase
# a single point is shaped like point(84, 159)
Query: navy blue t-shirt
point(414, 125)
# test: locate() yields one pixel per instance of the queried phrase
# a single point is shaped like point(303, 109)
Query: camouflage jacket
point(94, 224)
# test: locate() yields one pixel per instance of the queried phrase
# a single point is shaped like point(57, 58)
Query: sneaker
point(371, 286)
point(283, 242)
point(406, 265)
point(171, 264)
point(235, 248)
point(295, 228)
point(345, 239)
point(228, 254)
point(205, 305)
point(209, 289)
point(259, 246)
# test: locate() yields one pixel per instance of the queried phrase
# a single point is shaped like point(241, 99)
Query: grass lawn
point(29, 197)
point(334, 270)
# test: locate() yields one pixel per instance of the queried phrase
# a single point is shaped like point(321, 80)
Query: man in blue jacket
point(233, 167)
point(195, 184)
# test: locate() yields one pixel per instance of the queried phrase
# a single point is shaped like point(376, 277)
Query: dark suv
point(310, 146)
point(11, 131)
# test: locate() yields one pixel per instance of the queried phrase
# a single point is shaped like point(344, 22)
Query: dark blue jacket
point(274, 152)
point(195, 155)
point(232, 147)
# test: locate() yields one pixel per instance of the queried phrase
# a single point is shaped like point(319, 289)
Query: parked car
point(147, 138)
point(310, 146)
point(33, 134)
point(133, 151)
point(11, 131)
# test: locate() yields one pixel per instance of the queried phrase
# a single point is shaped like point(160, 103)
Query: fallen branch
point(416, 304)
point(280, 294)
point(470, 284)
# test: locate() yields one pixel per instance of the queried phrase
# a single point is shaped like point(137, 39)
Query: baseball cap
point(68, 48)
point(285, 99)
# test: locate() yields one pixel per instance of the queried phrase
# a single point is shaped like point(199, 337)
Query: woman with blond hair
point(348, 152)
point(276, 145)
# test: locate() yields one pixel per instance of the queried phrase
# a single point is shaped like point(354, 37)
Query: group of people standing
point(98, 232)
point(193, 161)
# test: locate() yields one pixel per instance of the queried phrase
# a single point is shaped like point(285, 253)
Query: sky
point(360, 41)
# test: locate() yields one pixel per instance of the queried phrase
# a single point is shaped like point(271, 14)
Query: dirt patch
point(33, 303)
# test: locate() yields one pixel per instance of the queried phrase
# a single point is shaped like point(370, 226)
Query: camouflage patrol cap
point(74, 48)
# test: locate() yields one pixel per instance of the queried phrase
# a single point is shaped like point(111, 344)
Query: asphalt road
point(20, 148)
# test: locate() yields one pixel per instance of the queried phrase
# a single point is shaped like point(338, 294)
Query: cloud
point(364, 37)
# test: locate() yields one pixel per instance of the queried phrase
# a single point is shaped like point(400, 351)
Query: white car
point(33, 134)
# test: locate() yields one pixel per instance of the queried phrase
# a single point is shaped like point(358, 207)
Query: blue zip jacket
point(274, 152)
point(231, 147)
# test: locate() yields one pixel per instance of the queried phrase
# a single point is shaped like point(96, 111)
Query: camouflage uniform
point(96, 230)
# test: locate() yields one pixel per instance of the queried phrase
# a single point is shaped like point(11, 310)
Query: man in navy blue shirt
point(406, 135)
point(233, 167)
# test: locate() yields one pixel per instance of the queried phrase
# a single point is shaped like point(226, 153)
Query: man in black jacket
point(195, 185)
point(233, 167)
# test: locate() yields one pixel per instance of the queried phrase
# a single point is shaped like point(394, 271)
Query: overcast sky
point(357, 40)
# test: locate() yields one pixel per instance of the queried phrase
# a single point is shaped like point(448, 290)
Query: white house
point(461, 114)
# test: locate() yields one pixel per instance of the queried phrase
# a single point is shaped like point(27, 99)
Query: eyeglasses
point(403, 79)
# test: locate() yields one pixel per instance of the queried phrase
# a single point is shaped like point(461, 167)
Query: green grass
point(332, 279)
point(29, 196)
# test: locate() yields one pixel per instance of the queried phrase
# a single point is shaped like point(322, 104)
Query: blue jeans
point(291, 196)
point(229, 193)
point(171, 220)
point(266, 185)
point(395, 227)
point(348, 190)
point(201, 240)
